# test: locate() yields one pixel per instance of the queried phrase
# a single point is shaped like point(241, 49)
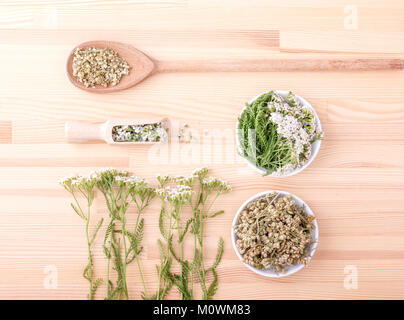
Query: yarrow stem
point(85, 186)
point(90, 258)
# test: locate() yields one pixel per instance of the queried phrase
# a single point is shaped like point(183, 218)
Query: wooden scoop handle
point(261, 65)
point(77, 132)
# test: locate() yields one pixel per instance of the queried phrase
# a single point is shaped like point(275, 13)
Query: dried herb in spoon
point(95, 66)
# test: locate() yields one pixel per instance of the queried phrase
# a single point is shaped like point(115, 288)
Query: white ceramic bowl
point(315, 146)
point(289, 269)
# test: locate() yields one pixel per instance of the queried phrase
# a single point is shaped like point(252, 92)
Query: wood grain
point(283, 65)
point(5, 132)
point(355, 186)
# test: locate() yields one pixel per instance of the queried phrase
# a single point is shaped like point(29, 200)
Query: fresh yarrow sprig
point(141, 195)
point(120, 190)
point(193, 191)
point(85, 185)
point(121, 245)
point(106, 184)
point(209, 188)
point(176, 198)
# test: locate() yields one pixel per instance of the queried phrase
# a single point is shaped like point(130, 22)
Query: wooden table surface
point(355, 186)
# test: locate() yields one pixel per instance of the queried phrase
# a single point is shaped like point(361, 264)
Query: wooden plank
point(6, 133)
point(342, 41)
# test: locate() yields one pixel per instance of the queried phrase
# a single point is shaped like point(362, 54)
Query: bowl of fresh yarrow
point(278, 133)
point(274, 233)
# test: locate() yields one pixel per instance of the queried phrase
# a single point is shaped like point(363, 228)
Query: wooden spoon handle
point(77, 132)
point(261, 65)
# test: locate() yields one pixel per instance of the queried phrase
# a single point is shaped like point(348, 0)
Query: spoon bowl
point(141, 66)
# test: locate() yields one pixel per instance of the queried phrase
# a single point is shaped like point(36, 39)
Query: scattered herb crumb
point(185, 134)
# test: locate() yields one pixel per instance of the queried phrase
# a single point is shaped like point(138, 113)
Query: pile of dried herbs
point(95, 66)
point(276, 133)
point(273, 232)
point(122, 191)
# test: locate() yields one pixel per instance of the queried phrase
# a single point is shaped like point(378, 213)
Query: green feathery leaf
point(97, 228)
point(213, 286)
point(219, 255)
point(181, 238)
point(78, 212)
point(218, 213)
point(96, 284)
point(86, 272)
point(161, 222)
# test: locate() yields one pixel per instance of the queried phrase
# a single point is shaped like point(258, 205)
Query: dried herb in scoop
point(154, 132)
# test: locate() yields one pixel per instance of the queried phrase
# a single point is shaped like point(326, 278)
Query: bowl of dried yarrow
point(274, 233)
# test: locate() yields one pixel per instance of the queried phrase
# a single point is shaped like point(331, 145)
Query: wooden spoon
point(143, 66)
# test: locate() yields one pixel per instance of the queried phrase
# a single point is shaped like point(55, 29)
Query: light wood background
point(355, 186)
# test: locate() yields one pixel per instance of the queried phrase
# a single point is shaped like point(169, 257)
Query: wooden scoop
point(79, 132)
point(143, 66)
